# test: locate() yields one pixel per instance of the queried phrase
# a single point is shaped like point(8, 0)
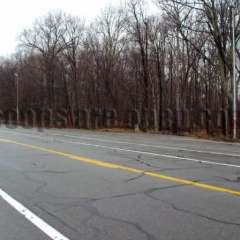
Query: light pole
point(234, 73)
point(17, 96)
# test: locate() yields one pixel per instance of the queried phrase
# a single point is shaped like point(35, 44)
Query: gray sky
point(15, 15)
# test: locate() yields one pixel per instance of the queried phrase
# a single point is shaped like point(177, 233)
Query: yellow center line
point(123, 168)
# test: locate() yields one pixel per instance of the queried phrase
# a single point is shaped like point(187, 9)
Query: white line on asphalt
point(139, 144)
point(170, 137)
point(148, 145)
point(151, 154)
point(34, 219)
point(135, 151)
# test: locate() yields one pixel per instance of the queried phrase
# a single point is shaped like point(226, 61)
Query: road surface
point(85, 185)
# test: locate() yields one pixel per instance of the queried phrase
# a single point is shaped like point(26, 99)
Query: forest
point(167, 71)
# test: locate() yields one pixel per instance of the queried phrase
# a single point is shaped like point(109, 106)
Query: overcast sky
point(15, 15)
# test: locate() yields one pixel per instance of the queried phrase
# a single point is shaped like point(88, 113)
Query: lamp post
point(233, 8)
point(17, 96)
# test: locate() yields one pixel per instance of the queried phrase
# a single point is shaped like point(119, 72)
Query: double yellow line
point(123, 168)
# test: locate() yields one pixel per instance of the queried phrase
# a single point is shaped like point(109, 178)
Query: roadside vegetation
point(172, 70)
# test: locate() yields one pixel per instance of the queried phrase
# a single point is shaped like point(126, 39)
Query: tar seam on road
point(34, 219)
point(123, 168)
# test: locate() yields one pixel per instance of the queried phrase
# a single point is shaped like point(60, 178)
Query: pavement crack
point(148, 191)
point(65, 224)
point(114, 197)
point(96, 213)
point(41, 187)
point(141, 161)
point(202, 215)
point(237, 180)
point(152, 190)
point(179, 169)
point(196, 214)
point(41, 184)
point(135, 178)
point(56, 172)
point(49, 172)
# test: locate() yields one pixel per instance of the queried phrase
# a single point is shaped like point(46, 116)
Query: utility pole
point(234, 75)
point(17, 96)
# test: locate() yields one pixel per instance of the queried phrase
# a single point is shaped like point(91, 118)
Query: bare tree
point(45, 38)
point(171, 71)
point(211, 19)
point(139, 28)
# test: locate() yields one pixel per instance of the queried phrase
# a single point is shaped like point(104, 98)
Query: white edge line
point(153, 154)
point(140, 152)
point(34, 219)
point(134, 144)
point(171, 137)
point(148, 145)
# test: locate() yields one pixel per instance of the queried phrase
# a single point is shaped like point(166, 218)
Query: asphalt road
point(85, 185)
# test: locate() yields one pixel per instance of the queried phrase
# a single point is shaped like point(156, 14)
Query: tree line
point(172, 70)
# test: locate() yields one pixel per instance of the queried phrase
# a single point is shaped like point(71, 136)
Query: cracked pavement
point(85, 201)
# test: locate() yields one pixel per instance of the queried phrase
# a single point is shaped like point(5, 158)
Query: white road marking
point(148, 145)
point(171, 137)
point(34, 219)
point(134, 151)
point(139, 144)
point(151, 154)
